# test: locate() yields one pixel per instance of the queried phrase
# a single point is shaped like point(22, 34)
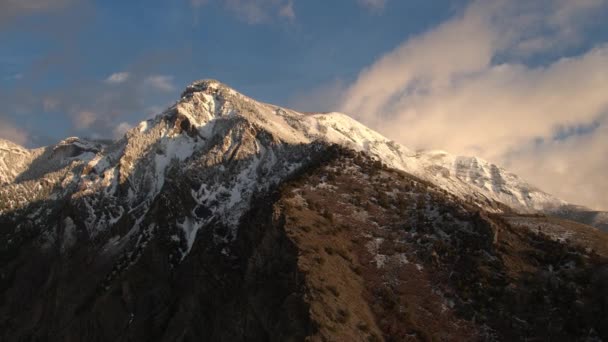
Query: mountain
point(13, 160)
point(224, 218)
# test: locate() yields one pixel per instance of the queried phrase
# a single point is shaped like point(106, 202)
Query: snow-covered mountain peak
point(9, 146)
point(79, 144)
point(210, 110)
point(13, 160)
point(204, 85)
point(486, 178)
point(239, 146)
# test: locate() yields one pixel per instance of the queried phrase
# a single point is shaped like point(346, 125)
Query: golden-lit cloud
point(83, 119)
point(463, 87)
point(12, 133)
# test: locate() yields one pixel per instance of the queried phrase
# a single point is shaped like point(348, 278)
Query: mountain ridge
point(205, 103)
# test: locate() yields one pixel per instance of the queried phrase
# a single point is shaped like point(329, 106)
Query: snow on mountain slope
point(37, 174)
point(486, 178)
point(229, 147)
point(206, 106)
point(13, 160)
point(467, 177)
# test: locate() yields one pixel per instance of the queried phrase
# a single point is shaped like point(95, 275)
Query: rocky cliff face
point(226, 219)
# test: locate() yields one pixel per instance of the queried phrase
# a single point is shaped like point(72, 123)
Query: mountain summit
point(224, 218)
point(209, 111)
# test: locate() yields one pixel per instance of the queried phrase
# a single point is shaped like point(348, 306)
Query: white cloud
point(118, 77)
point(83, 119)
point(491, 111)
point(13, 133)
point(443, 89)
point(574, 169)
point(287, 11)
point(553, 24)
point(160, 82)
point(121, 129)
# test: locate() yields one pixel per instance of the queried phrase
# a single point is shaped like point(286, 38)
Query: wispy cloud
point(255, 12)
point(160, 82)
point(287, 11)
point(83, 119)
point(121, 129)
point(13, 133)
point(91, 106)
point(443, 89)
point(118, 77)
point(573, 168)
point(261, 11)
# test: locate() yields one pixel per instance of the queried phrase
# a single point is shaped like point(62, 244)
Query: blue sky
point(520, 83)
point(68, 49)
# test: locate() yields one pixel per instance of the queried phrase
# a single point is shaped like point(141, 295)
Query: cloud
point(160, 82)
point(255, 12)
point(13, 133)
point(319, 99)
point(121, 129)
point(492, 110)
point(574, 168)
point(553, 24)
point(83, 119)
point(118, 77)
point(92, 107)
point(261, 11)
point(287, 11)
point(463, 87)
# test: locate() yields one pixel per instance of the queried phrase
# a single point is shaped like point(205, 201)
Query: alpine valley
point(227, 219)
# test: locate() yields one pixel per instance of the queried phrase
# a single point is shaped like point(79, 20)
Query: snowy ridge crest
point(229, 147)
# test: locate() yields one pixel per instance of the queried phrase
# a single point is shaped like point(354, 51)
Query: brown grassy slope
point(389, 257)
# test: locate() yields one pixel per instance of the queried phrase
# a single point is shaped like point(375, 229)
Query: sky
point(521, 83)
